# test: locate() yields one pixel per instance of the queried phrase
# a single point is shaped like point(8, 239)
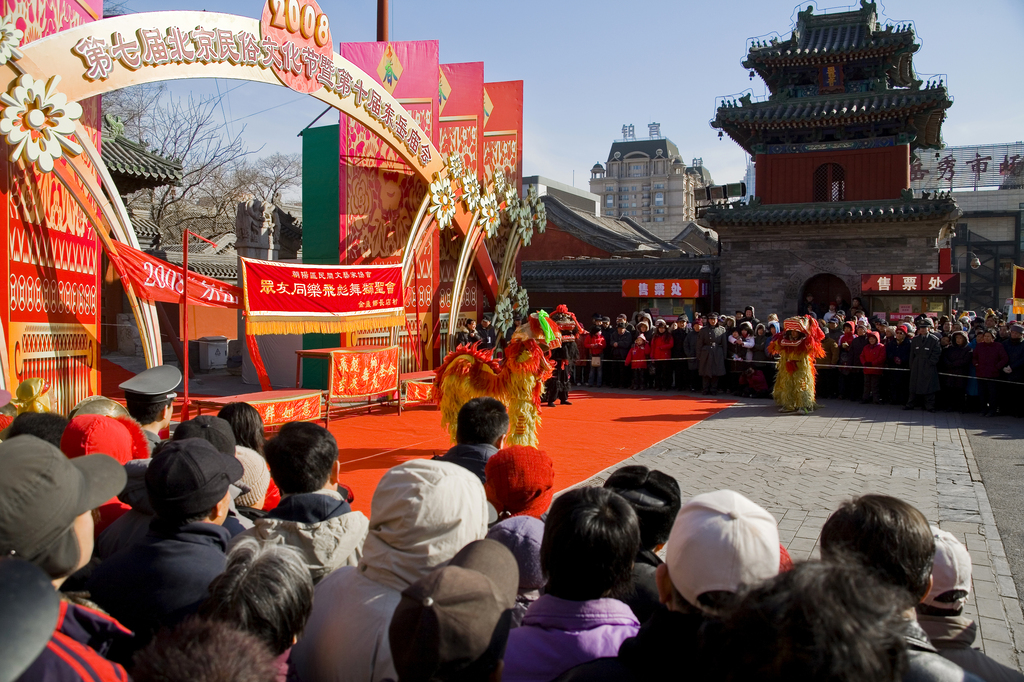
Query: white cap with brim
point(721, 541)
point(951, 570)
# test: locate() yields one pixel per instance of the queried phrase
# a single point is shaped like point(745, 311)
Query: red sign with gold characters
point(155, 280)
point(665, 288)
point(356, 373)
point(279, 293)
point(939, 284)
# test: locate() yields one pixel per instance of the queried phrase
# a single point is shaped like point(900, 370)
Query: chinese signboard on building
point(665, 288)
point(942, 284)
point(967, 167)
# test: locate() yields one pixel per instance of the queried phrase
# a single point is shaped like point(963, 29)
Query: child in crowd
point(637, 361)
point(872, 357)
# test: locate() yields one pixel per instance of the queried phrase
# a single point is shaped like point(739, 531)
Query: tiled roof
point(831, 110)
point(648, 147)
point(131, 165)
point(824, 213)
point(825, 43)
point(606, 274)
point(614, 235)
point(219, 266)
point(692, 239)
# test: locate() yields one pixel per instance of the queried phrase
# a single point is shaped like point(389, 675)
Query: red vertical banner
point(503, 147)
point(379, 194)
point(461, 96)
point(52, 267)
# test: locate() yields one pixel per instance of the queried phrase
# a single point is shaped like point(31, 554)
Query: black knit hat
point(189, 477)
point(653, 495)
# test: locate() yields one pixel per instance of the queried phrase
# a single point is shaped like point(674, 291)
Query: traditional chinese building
point(833, 145)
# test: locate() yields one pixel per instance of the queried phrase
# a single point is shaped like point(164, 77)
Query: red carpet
point(595, 432)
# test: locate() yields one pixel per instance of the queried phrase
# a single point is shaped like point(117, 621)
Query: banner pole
point(184, 324)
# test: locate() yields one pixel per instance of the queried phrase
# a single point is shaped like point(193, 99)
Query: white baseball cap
point(951, 570)
point(721, 541)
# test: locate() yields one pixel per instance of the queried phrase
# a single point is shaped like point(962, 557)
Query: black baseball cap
point(42, 492)
point(189, 477)
point(210, 428)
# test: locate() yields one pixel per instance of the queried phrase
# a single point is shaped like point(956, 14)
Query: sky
point(591, 67)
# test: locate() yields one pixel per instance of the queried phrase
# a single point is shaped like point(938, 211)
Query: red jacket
point(989, 359)
point(755, 381)
point(873, 356)
point(661, 346)
point(596, 343)
point(637, 357)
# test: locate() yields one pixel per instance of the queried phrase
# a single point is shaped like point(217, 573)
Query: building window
point(636, 170)
point(609, 200)
point(609, 188)
point(659, 199)
point(659, 185)
point(829, 182)
point(659, 210)
point(659, 220)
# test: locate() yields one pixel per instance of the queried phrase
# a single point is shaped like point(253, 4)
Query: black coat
point(625, 341)
point(162, 579)
point(488, 337)
point(470, 456)
point(925, 352)
point(955, 360)
point(678, 341)
point(642, 594)
point(666, 648)
point(711, 351)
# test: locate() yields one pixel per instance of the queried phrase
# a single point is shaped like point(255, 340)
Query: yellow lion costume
point(798, 345)
point(517, 381)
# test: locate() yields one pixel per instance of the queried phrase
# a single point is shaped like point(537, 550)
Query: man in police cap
point(149, 396)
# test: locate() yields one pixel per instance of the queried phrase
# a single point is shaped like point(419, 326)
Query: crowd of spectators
point(941, 363)
point(252, 566)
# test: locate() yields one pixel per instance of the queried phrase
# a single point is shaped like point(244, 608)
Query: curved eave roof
point(126, 158)
point(787, 52)
point(829, 110)
point(844, 212)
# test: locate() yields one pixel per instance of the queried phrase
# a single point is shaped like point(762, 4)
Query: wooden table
point(275, 407)
point(323, 353)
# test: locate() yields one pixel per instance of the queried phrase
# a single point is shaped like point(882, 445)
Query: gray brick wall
point(768, 267)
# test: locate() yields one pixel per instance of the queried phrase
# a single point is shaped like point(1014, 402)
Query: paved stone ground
point(800, 468)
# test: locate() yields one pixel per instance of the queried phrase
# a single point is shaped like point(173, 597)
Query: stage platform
point(597, 431)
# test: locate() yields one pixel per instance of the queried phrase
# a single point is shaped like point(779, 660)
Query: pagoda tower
point(833, 146)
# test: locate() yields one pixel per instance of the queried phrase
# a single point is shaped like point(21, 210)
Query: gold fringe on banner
point(268, 324)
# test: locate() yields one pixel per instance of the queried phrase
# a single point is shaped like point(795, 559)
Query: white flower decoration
point(489, 214)
point(455, 165)
point(499, 182)
point(10, 40)
point(522, 300)
point(37, 121)
point(511, 194)
point(503, 315)
point(470, 192)
point(442, 201)
point(511, 208)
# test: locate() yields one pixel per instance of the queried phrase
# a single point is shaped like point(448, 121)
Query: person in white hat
point(720, 543)
point(940, 614)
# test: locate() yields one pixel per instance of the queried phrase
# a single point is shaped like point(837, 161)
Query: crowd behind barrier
point(220, 555)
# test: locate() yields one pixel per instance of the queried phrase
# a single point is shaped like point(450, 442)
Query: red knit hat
point(88, 434)
point(520, 481)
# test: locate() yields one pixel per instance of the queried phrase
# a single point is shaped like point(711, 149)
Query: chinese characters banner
point(356, 373)
point(155, 280)
point(51, 318)
point(281, 410)
point(667, 288)
point(936, 283)
point(989, 165)
point(283, 298)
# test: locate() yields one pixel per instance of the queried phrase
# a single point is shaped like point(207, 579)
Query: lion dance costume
point(517, 381)
point(798, 345)
point(557, 387)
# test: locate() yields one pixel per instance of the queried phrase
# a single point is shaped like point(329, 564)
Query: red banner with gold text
point(289, 298)
point(155, 280)
point(359, 372)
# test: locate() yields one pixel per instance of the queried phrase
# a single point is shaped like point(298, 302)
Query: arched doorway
point(824, 288)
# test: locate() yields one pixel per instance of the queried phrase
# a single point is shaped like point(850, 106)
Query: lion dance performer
point(517, 381)
point(557, 387)
point(798, 345)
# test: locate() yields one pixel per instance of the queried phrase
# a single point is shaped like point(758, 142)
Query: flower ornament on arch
point(489, 216)
point(442, 201)
point(38, 121)
point(470, 191)
point(455, 165)
point(10, 40)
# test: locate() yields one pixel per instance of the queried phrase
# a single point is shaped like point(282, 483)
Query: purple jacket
point(558, 634)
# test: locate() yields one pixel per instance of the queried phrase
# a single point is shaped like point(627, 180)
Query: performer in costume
point(797, 345)
point(564, 358)
point(517, 381)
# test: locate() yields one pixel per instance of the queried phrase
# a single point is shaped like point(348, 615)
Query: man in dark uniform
point(149, 397)
point(711, 354)
point(488, 335)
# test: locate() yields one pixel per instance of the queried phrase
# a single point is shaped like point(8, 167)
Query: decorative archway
point(99, 57)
